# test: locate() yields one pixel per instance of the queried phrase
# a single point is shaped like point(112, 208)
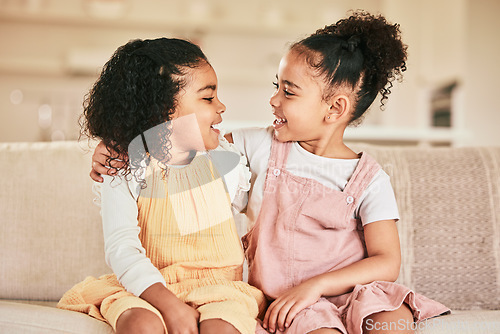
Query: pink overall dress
point(305, 229)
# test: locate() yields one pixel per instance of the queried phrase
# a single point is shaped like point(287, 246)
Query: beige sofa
point(51, 234)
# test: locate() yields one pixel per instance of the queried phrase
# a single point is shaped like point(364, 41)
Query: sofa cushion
point(450, 221)
point(461, 322)
point(26, 318)
point(51, 232)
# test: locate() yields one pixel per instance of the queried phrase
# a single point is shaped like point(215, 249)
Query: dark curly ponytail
point(363, 52)
point(137, 90)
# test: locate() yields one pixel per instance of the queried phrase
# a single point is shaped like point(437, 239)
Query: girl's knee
point(217, 326)
point(138, 320)
point(326, 331)
point(398, 321)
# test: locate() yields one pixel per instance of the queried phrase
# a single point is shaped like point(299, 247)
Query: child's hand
point(181, 318)
point(99, 161)
point(281, 312)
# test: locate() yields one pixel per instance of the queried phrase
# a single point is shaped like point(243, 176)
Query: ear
point(340, 105)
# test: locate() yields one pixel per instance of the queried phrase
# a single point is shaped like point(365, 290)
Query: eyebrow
point(289, 83)
point(211, 87)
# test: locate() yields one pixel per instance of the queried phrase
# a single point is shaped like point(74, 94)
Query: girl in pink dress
point(323, 244)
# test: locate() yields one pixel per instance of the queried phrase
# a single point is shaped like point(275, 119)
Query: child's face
point(298, 102)
point(199, 97)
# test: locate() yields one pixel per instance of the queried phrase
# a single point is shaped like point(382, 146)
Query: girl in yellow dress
point(169, 232)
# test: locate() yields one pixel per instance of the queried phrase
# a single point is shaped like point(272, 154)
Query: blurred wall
point(52, 50)
point(482, 73)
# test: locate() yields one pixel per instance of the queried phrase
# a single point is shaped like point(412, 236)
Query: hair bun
point(362, 50)
point(351, 44)
point(149, 48)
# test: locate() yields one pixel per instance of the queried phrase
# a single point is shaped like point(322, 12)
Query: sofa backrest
point(449, 202)
point(449, 206)
point(51, 232)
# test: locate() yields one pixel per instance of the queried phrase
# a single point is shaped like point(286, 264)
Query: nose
point(222, 107)
point(273, 101)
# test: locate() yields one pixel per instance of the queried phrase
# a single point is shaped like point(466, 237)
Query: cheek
point(205, 127)
point(203, 116)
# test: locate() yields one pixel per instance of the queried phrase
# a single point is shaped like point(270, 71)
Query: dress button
point(349, 200)
point(276, 172)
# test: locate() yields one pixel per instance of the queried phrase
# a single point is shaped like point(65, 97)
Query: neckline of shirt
point(199, 153)
point(319, 159)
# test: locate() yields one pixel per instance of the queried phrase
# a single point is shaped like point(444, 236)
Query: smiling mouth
point(279, 122)
point(215, 127)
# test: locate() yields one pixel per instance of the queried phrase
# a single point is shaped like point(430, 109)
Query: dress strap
point(279, 153)
point(364, 173)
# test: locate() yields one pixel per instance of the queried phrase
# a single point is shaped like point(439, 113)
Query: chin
point(212, 145)
point(282, 137)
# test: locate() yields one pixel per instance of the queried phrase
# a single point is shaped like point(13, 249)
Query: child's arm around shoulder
point(229, 137)
point(251, 141)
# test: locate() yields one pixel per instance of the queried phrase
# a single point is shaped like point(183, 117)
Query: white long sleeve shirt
point(124, 252)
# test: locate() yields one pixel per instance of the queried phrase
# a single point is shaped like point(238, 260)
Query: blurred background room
point(51, 52)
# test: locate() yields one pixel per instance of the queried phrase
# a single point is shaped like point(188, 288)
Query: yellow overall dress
point(189, 234)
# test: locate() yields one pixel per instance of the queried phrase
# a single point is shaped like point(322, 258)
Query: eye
point(209, 99)
point(285, 91)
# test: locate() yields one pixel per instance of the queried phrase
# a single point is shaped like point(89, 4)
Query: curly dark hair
point(362, 51)
point(137, 90)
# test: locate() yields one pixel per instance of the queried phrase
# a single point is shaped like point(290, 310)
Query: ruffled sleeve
point(239, 178)
point(96, 190)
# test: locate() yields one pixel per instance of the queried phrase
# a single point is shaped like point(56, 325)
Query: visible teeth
point(280, 120)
